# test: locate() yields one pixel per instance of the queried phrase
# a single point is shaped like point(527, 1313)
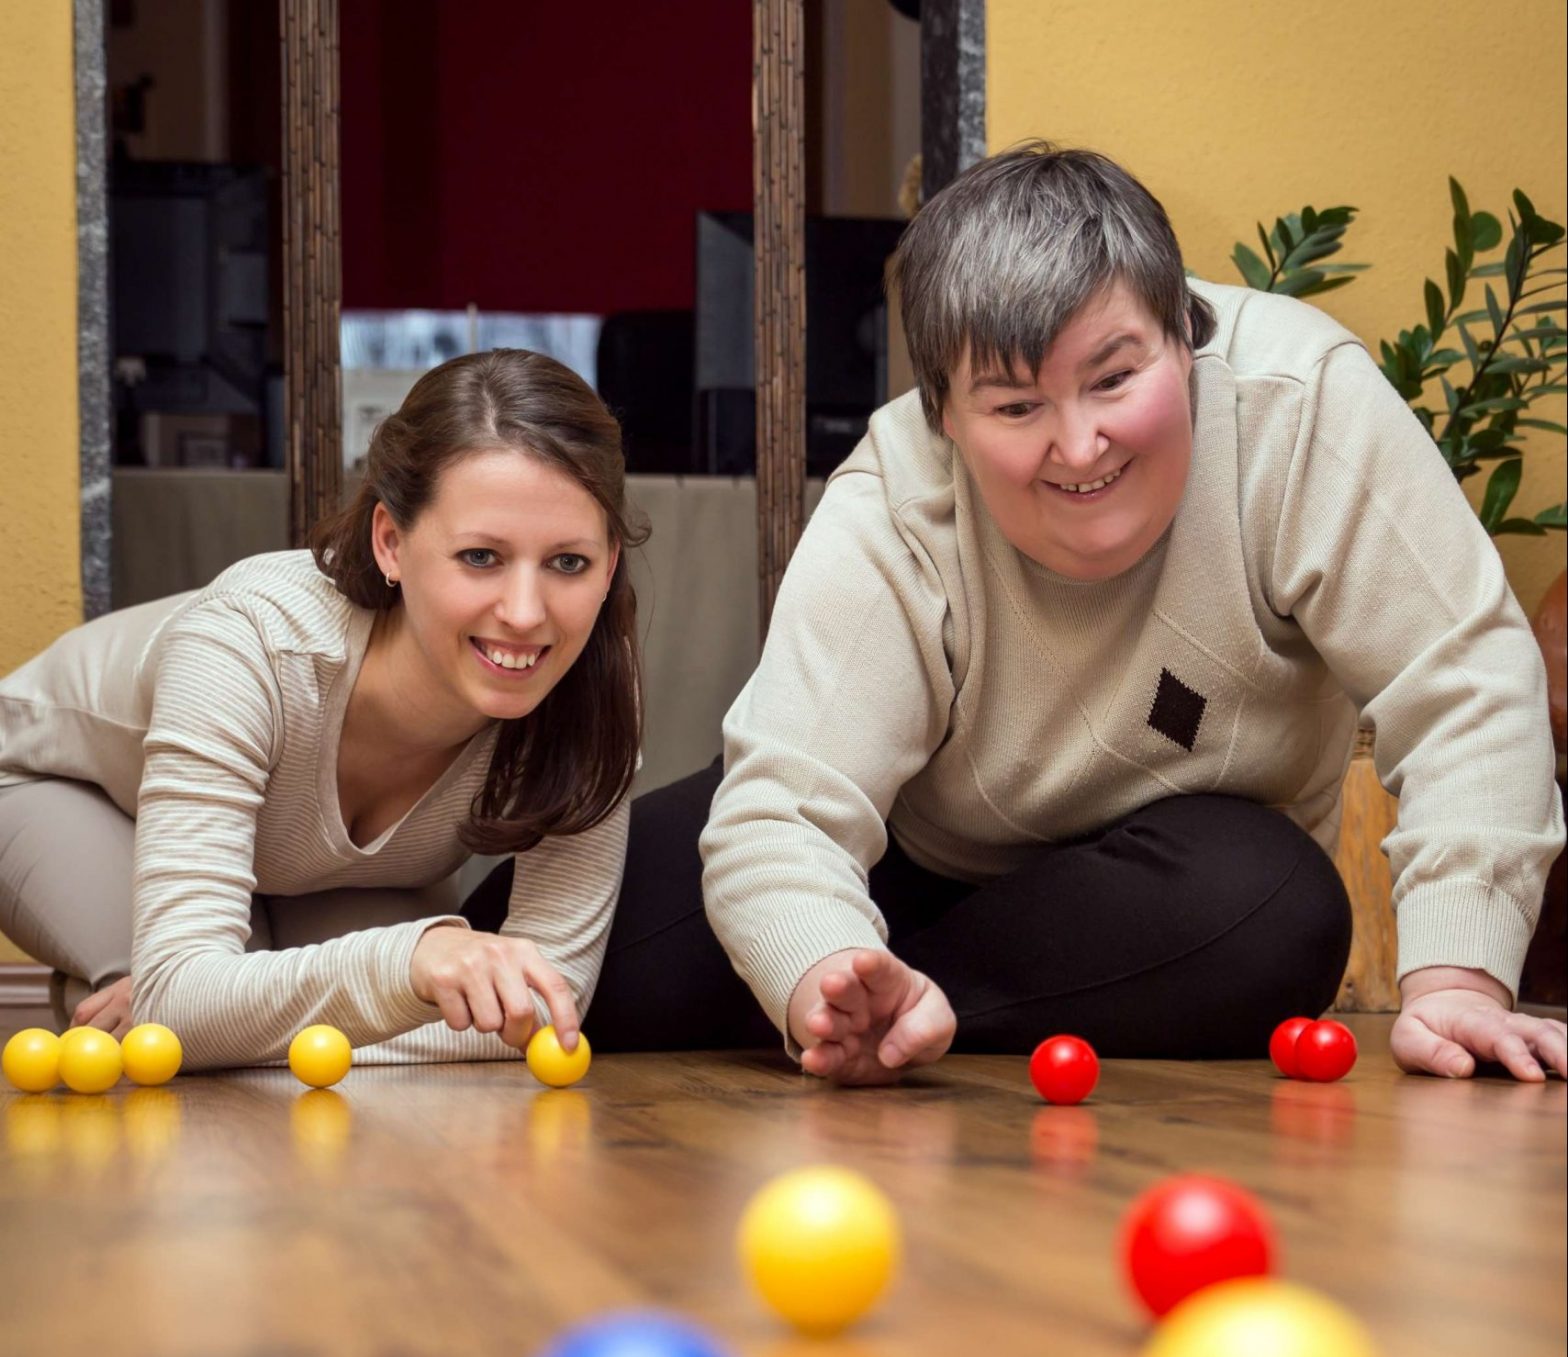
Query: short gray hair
point(1003, 258)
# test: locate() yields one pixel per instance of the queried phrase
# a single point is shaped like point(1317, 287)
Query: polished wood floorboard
point(465, 1210)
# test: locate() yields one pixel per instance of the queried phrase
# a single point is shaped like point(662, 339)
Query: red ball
point(1326, 1051)
point(1064, 1069)
point(1190, 1232)
point(1282, 1046)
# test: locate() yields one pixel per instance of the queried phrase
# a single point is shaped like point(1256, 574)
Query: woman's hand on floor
point(487, 982)
point(1452, 1017)
point(865, 1016)
point(108, 1009)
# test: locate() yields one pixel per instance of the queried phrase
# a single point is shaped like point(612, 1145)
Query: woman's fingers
point(1452, 1044)
point(454, 1007)
point(1551, 1045)
point(1512, 1051)
point(823, 1060)
point(1417, 1049)
point(481, 975)
point(109, 1006)
point(557, 996)
point(1501, 1036)
point(519, 1017)
point(922, 1035)
point(844, 994)
point(827, 1024)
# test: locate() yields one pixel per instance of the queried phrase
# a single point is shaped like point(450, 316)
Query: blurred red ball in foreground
point(1190, 1232)
point(1064, 1069)
point(1326, 1051)
point(1282, 1046)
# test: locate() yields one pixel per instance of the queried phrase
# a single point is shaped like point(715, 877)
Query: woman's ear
point(385, 541)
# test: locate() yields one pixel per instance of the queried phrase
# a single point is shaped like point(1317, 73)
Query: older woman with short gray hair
point(1050, 727)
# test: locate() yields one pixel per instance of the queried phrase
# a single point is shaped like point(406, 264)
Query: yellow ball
point(90, 1060)
point(32, 1060)
point(152, 1054)
point(1253, 1315)
point(820, 1245)
point(320, 1055)
point(551, 1065)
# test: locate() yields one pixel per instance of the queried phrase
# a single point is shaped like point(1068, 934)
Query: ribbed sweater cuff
point(782, 953)
point(1464, 923)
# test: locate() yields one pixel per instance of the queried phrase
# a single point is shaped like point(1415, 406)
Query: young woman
point(1050, 726)
point(232, 811)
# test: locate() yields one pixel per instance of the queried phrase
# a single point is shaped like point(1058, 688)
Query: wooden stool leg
point(1368, 813)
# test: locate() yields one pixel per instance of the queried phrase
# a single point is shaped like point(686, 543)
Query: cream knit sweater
point(213, 718)
point(921, 673)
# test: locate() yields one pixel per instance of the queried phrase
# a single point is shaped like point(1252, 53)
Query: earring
point(391, 583)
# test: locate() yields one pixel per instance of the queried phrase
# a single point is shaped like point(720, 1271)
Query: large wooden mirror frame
point(312, 262)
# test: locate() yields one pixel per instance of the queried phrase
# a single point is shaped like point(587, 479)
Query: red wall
point(535, 155)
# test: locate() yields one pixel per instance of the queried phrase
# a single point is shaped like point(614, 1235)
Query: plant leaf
point(1252, 268)
point(1551, 426)
point(1457, 194)
point(1268, 249)
point(1544, 232)
point(1486, 232)
point(1507, 366)
point(1555, 517)
point(1471, 352)
point(1434, 307)
point(1495, 312)
point(1456, 278)
point(1501, 488)
point(1523, 526)
point(1495, 403)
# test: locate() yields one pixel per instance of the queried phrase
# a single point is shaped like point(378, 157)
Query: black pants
point(1189, 929)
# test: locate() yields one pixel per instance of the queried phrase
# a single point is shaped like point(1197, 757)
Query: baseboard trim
point(23, 985)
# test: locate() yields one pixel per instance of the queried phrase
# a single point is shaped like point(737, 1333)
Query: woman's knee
point(65, 877)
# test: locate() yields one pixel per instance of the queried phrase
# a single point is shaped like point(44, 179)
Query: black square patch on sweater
point(1177, 710)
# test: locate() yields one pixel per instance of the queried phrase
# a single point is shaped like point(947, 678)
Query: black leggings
point(1186, 930)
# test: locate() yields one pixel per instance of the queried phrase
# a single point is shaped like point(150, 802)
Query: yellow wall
point(40, 582)
point(1232, 112)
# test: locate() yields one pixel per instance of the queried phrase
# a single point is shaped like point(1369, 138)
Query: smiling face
point(502, 577)
point(1084, 464)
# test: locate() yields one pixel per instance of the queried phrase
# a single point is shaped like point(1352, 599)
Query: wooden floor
point(464, 1210)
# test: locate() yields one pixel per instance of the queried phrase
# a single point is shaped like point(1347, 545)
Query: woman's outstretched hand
point(864, 1017)
point(487, 982)
point(108, 1009)
point(1452, 1017)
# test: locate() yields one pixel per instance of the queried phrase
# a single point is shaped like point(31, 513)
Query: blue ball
point(635, 1334)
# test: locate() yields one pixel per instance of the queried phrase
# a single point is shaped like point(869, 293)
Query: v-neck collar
point(356, 642)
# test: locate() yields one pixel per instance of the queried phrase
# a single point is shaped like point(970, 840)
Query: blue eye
point(569, 563)
point(467, 557)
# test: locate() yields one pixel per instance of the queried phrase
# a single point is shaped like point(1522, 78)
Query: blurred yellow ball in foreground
point(152, 1054)
point(320, 1055)
point(90, 1060)
point(1252, 1316)
point(820, 1244)
point(551, 1065)
point(32, 1060)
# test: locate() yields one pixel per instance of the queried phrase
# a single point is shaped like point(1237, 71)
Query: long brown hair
point(567, 764)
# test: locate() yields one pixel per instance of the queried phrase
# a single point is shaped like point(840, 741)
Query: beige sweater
point(922, 672)
point(213, 718)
